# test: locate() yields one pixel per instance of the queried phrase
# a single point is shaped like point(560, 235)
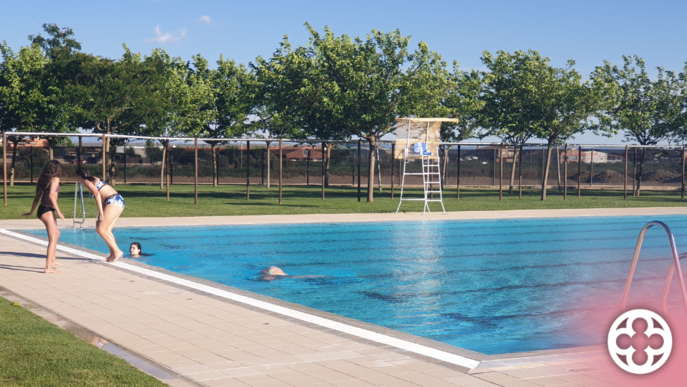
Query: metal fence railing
point(254, 161)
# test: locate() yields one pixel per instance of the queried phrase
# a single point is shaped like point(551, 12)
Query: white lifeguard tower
point(418, 139)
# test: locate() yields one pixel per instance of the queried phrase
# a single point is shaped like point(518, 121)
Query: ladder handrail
point(78, 189)
point(675, 265)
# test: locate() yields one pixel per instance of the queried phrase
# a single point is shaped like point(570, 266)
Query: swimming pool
point(491, 286)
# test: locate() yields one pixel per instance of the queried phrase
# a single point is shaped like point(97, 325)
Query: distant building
point(589, 156)
point(34, 142)
point(299, 153)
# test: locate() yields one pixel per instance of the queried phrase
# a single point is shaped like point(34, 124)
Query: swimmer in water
point(135, 250)
point(272, 273)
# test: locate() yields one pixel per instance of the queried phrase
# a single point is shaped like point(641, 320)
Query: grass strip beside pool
point(34, 352)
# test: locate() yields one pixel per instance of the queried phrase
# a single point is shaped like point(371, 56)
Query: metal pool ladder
point(674, 266)
point(79, 190)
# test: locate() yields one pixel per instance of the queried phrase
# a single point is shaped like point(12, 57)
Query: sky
point(587, 31)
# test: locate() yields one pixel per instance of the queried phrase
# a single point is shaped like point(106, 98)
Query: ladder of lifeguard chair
point(79, 190)
point(430, 170)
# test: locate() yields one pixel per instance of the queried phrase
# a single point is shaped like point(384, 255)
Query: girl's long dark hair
point(83, 173)
point(52, 169)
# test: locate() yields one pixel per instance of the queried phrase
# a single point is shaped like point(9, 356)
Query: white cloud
point(205, 19)
point(167, 37)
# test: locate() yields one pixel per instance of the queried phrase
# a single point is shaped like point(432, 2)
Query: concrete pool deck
point(207, 340)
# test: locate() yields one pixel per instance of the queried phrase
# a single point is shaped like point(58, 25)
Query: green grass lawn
point(149, 200)
point(34, 352)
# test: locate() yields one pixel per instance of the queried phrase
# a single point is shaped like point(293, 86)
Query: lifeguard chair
point(418, 139)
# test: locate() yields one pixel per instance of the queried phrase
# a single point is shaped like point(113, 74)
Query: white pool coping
point(320, 321)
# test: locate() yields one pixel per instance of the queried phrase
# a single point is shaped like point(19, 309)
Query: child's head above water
point(135, 249)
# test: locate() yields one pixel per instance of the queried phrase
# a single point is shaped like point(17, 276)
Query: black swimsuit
point(43, 209)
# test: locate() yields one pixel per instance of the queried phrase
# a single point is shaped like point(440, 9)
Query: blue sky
point(586, 31)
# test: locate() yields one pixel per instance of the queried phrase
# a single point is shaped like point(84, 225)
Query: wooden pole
point(520, 173)
point(591, 168)
point(104, 157)
point(247, 170)
point(625, 177)
point(682, 194)
point(169, 165)
point(4, 167)
point(281, 148)
point(634, 173)
point(79, 156)
point(579, 170)
point(323, 161)
point(458, 174)
point(359, 145)
point(393, 152)
point(195, 182)
point(565, 174)
point(500, 174)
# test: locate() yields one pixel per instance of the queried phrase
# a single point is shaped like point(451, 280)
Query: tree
point(551, 103)
point(647, 111)
point(24, 105)
point(462, 102)
point(113, 97)
point(232, 88)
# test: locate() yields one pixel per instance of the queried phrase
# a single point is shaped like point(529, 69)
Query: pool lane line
point(323, 322)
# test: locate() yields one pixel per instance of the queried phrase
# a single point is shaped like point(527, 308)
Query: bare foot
point(116, 258)
point(51, 271)
point(57, 263)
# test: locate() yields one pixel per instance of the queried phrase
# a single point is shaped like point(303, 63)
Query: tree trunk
point(162, 165)
point(371, 172)
point(379, 169)
point(546, 172)
point(269, 156)
point(516, 153)
point(326, 171)
point(445, 171)
point(214, 164)
point(14, 158)
point(641, 168)
point(558, 166)
point(113, 150)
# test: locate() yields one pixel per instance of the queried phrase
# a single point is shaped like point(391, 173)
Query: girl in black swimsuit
point(47, 190)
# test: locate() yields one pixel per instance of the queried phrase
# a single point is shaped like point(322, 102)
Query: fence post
point(169, 166)
point(682, 194)
point(634, 173)
point(280, 168)
point(247, 170)
point(4, 167)
point(323, 172)
point(104, 157)
point(124, 163)
point(520, 174)
point(625, 177)
point(32, 161)
point(493, 170)
point(565, 173)
point(500, 173)
point(307, 168)
point(579, 170)
point(458, 175)
point(591, 168)
point(195, 151)
point(359, 145)
point(393, 152)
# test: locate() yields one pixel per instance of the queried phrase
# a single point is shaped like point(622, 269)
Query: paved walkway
point(218, 342)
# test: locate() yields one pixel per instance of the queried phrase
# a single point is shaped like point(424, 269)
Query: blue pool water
point(492, 286)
